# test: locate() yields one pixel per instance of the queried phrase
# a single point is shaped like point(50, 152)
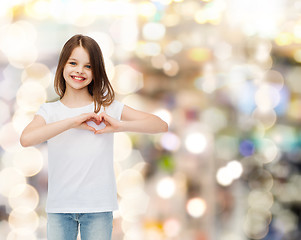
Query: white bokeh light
point(195, 142)
point(196, 207)
point(166, 187)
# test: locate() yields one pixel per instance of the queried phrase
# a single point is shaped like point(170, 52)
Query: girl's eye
point(72, 63)
point(88, 66)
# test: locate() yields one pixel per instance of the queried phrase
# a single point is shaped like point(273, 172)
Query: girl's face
point(77, 71)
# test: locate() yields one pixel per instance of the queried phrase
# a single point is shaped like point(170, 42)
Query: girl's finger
point(86, 126)
point(104, 130)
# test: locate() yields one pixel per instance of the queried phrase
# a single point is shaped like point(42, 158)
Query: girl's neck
point(76, 98)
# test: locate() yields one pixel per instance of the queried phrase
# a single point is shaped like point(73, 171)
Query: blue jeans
point(93, 226)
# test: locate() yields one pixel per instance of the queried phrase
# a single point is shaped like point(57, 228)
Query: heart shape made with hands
point(95, 126)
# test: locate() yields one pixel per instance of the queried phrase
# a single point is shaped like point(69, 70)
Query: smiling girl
point(79, 130)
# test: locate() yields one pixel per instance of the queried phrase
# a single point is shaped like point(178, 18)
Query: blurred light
point(171, 68)
point(9, 138)
point(130, 183)
point(127, 80)
point(135, 101)
point(21, 235)
point(171, 19)
point(39, 9)
point(30, 96)
point(209, 81)
point(223, 51)
point(285, 136)
point(6, 13)
point(9, 178)
point(230, 236)
point(253, 20)
point(275, 79)
point(200, 16)
point(292, 79)
point(5, 112)
point(146, 9)
point(125, 32)
point(297, 30)
point(267, 97)
point(166, 187)
point(10, 84)
point(119, 9)
point(173, 48)
point(29, 161)
point(37, 72)
point(158, 61)
point(186, 9)
point(195, 142)
point(164, 114)
point(148, 49)
point(165, 2)
point(286, 220)
point(105, 43)
point(215, 118)
point(224, 176)
point(172, 227)
point(24, 220)
point(170, 141)
point(235, 168)
point(17, 42)
point(133, 233)
point(211, 13)
point(269, 150)
point(246, 148)
point(196, 207)
point(110, 68)
point(262, 51)
point(21, 119)
point(256, 225)
point(153, 31)
point(131, 207)
point(241, 91)
point(124, 148)
point(261, 179)
point(258, 199)
point(226, 147)
point(23, 196)
point(199, 54)
point(294, 110)
point(266, 117)
point(284, 38)
point(297, 55)
point(63, 11)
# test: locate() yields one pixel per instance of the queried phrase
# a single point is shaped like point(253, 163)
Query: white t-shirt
point(81, 175)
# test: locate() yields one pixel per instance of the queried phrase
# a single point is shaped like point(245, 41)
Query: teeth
point(78, 78)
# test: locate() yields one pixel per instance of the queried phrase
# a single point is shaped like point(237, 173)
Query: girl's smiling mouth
point(77, 78)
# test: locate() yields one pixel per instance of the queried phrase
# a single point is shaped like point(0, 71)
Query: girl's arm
point(37, 131)
point(133, 121)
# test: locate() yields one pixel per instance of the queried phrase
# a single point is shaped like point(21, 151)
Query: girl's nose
point(79, 70)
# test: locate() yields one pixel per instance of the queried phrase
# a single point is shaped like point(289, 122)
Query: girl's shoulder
point(115, 109)
point(115, 104)
point(50, 105)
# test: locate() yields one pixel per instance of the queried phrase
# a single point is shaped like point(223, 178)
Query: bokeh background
point(224, 74)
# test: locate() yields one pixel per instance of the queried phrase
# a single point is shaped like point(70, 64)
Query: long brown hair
point(100, 88)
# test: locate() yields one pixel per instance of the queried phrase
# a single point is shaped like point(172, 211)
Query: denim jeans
point(93, 226)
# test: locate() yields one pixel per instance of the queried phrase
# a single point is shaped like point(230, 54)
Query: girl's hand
point(81, 121)
point(112, 125)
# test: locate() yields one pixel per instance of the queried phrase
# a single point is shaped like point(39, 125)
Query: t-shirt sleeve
point(43, 111)
point(115, 110)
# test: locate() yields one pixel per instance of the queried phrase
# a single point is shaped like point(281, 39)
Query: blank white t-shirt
point(81, 175)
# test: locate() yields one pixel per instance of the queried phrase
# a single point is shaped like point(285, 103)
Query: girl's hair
point(100, 88)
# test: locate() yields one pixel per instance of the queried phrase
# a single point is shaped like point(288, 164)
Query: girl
point(79, 130)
